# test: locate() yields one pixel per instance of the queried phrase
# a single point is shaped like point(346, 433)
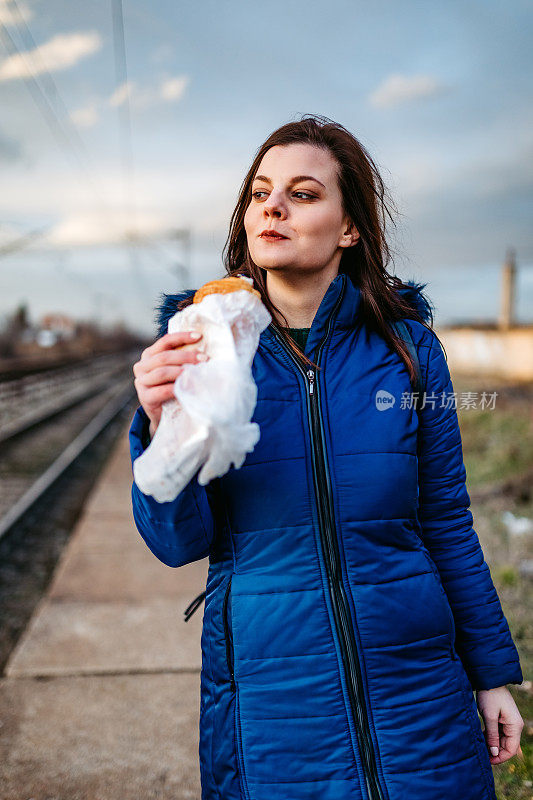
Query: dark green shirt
point(299, 335)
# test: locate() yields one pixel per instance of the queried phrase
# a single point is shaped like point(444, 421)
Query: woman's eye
point(263, 191)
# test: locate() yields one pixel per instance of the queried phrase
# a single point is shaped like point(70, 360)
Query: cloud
point(121, 94)
point(9, 233)
point(488, 163)
point(173, 88)
point(85, 117)
point(9, 15)
point(171, 195)
point(169, 90)
point(401, 89)
point(60, 52)
point(10, 149)
point(85, 229)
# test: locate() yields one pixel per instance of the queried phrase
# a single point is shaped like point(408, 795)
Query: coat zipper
point(237, 721)
point(330, 550)
point(229, 655)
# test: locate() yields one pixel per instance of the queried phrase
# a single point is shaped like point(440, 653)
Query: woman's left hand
point(503, 723)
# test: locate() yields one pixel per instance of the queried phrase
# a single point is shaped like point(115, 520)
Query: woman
point(349, 610)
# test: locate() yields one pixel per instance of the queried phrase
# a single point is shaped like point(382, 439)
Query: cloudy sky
point(440, 95)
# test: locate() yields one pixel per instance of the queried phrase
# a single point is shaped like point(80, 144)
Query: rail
point(27, 401)
point(113, 407)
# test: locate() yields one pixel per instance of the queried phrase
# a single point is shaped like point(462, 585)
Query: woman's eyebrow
point(296, 179)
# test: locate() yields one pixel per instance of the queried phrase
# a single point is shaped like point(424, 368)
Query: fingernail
point(195, 335)
point(494, 751)
point(202, 356)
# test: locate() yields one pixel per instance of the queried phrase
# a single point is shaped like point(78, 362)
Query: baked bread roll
point(207, 425)
point(224, 286)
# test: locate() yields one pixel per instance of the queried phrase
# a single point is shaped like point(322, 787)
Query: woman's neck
point(298, 296)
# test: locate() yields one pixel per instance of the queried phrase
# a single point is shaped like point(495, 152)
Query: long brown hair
point(367, 203)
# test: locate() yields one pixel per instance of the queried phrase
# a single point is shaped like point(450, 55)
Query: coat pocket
point(445, 600)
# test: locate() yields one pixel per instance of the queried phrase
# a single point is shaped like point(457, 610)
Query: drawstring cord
point(193, 606)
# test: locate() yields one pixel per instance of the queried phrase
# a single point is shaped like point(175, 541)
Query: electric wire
point(126, 144)
point(62, 135)
point(50, 86)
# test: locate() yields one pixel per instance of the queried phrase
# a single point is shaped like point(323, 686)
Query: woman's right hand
point(159, 366)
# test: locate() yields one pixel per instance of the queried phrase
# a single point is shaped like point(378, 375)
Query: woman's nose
point(274, 206)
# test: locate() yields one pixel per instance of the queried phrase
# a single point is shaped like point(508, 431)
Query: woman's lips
point(269, 237)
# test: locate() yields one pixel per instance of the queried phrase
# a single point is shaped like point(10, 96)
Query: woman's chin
point(274, 267)
point(269, 261)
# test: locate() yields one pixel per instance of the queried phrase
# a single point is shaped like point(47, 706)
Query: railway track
point(21, 488)
point(46, 471)
point(34, 398)
point(47, 419)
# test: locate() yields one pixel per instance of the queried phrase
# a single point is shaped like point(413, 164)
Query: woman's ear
point(350, 236)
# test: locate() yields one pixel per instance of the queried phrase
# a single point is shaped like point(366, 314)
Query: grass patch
point(496, 444)
point(497, 448)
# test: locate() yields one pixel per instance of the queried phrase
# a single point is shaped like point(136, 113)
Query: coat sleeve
point(483, 640)
point(177, 532)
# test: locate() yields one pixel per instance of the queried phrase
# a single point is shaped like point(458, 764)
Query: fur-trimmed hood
point(417, 298)
point(167, 307)
point(412, 291)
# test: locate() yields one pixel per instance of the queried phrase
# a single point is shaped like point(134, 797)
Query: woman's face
point(306, 210)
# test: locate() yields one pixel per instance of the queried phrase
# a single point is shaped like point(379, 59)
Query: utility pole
point(183, 269)
point(507, 309)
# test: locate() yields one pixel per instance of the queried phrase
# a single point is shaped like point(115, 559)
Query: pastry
point(224, 286)
point(207, 427)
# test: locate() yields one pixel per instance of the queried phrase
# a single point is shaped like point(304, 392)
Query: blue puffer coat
point(349, 610)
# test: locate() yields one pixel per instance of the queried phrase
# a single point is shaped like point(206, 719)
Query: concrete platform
point(100, 699)
point(122, 737)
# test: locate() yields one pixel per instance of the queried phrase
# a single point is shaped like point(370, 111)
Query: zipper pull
point(311, 377)
point(193, 606)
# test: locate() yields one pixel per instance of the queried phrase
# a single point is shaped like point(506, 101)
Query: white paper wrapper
point(208, 425)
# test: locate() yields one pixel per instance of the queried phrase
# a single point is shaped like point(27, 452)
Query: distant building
point(54, 327)
point(501, 348)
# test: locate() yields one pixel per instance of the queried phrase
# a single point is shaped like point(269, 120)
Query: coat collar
point(341, 299)
point(344, 315)
point(340, 306)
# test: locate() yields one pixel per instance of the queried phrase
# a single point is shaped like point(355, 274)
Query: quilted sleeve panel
point(484, 641)
point(177, 532)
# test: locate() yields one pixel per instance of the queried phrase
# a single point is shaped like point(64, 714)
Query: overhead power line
point(62, 130)
point(124, 108)
point(49, 83)
point(126, 146)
